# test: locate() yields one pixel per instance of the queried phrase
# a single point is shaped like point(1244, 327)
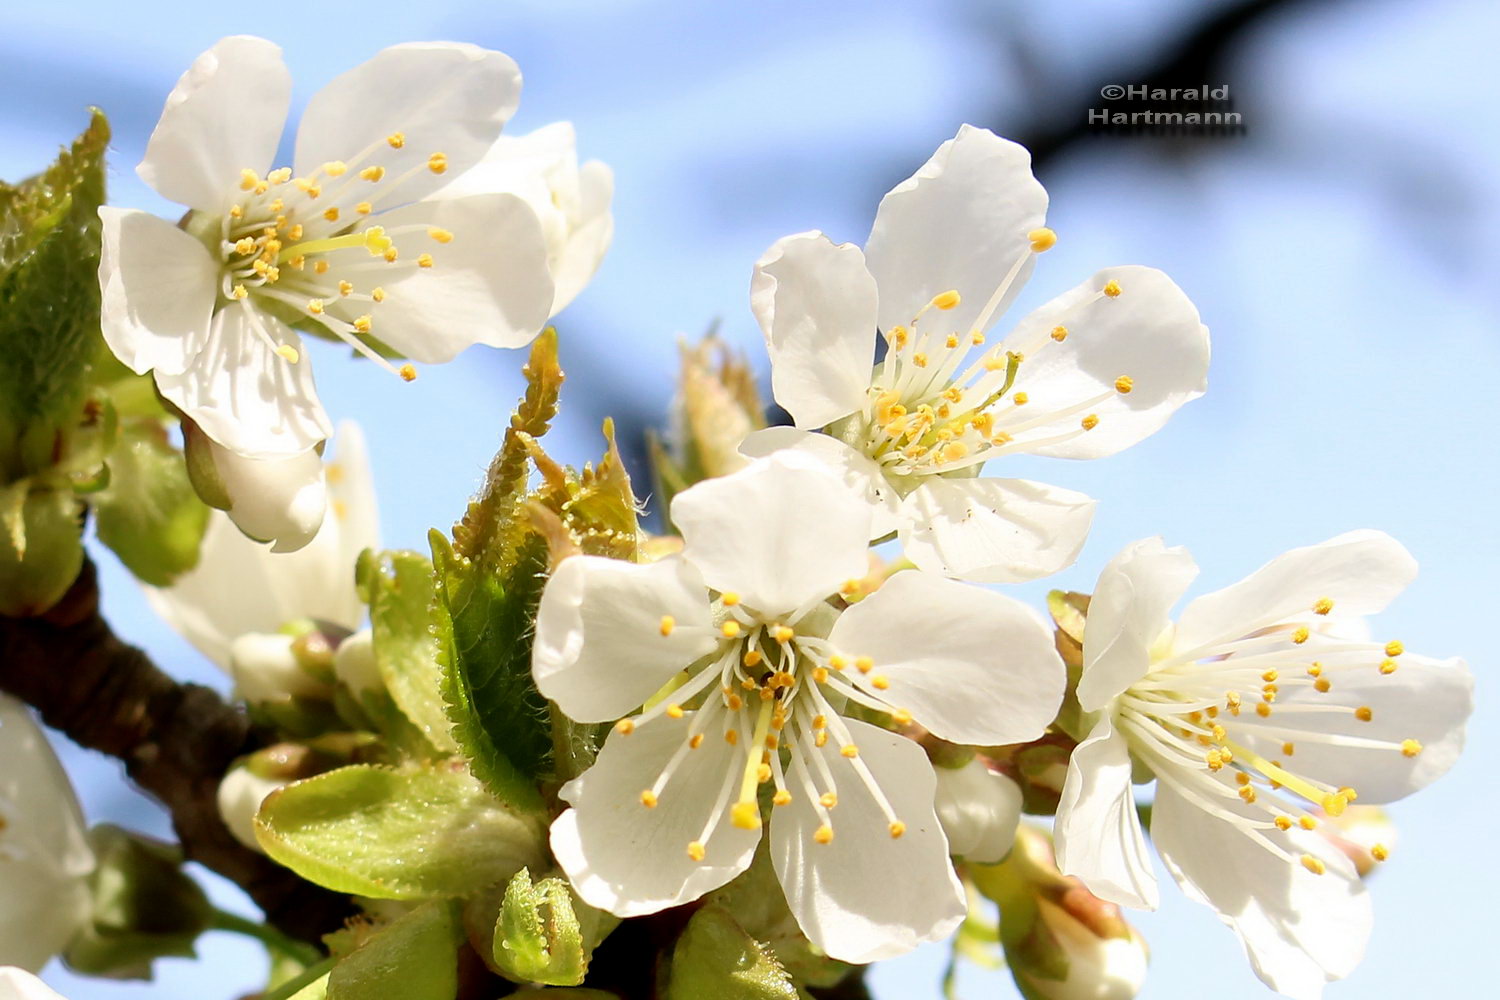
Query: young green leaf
point(413, 958)
point(408, 651)
point(716, 958)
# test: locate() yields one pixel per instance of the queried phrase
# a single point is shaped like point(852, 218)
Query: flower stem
point(267, 935)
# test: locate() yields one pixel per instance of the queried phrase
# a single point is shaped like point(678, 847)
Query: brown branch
point(176, 741)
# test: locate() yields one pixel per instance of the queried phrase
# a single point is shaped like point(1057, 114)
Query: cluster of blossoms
point(765, 689)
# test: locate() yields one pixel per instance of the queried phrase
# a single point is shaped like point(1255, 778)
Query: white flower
point(571, 202)
point(347, 245)
point(45, 859)
point(241, 588)
point(18, 984)
point(279, 500)
point(979, 809)
point(1092, 372)
point(1253, 713)
point(771, 675)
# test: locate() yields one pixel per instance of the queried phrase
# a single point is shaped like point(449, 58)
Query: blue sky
point(1343, 255)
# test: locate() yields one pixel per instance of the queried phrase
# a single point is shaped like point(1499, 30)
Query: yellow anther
point(1379, 852)
point(1001, 439)
point(919, 359)
point(295, 233)
point(1242, 778)
point(953, 451)
point(288, 353)
point(1059, 333)
point(731, 736)
point(976, 338)
point(377, 293)
point(1315, 670)
point(730, 629)
point(771, 741)
point(828, 800)
point(824, 834)
point(1410, 748)
point(307, 187)
point(1248, 794)
point(1348, 794)
point(821, 740)
point(331, 214)
point(1020, 399)
point(372, 174)
point(361, 324)
point(781, 798)
point(1334, 805)
point(315, 306)
point(624, 727)
point(280, 175)
point(1388, 667)
point(749, 684)
point(1308, 823)
point(1041, 240)
point(441, 235)
point(1313, 864)
point(951, 342)
point(880, 682)
point(437, 162)
point(696, 741)
point(335, 168)
point(783, 633)
point(424, 260)
point(345, 287)
point(820, 721)
point(1301, 634)
point(1363, 713)
point(1112, 289)
point(390, 255)
point(396, 139)
point(1089, 422)
point(901, 717)
point(753, 657)
point(734, 702)
point(763, 774)
point(408, 372)
point(946, 300)
point(248, 179)
point(277, 205)
point(298, 261)
point(674, 711)
point(1214, 759)
point(899, 336)
point(1283, 823)
point(820, 675)
point(245, 246)
point(745, 815)
point(849, 750)
point(864, 664)
point(239, 292)
point(1322, 606)
point(1124, 384)
point(320, 267)
point(1322, 685)
point(897, 829)
point(697, 851)
point(730, 598)
point(1394, 649)
point(262, 187)
point(668, 623)
point(1289, 748)
point(994, 363)
point(648, 799)
point(1263, 710)
point(364, 208)
point(235, 211)
point(1269, 676)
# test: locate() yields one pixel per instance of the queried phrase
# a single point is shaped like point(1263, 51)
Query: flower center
point(773, 690)
point(1210, 722)
point(932, 410)
point(305, 244)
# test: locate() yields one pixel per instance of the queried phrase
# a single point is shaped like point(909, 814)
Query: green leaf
point(149, 515)
point(36, 573)
point(485, 622)
point(716, 958)
point(538, 938)
point(408, 651)
point(398, 834)
point(49, 287)
point(413, 958)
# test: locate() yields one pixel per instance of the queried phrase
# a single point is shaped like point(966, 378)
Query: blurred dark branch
point(176, 741)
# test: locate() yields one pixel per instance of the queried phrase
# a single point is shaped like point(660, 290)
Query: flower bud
point(544, 934)
point(354, 664)
point(279, 500)
point(1061, 941)
point(240, 795)
point(979, 810)
point(266, 668)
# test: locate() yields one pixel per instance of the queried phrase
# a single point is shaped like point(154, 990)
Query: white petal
point(1425, 700)
point(959, 223)
point(1361, 572)
point(443, 97)
point(858, 471)
point(355, 525)
point(239, 798)
point(865, 895)
point(158, 287)
point(1300, 930)
point(1150, 333)
point(279, 500)
point(600, 650)
point(816, 305)
point(589, 237)
point(244, 395)
point(44, 855)
point(630, 860)
point(1127, 614)
point(489, 285)
point(225, 115)
point(781, 532)
point(18, 984)
point(1098, 830)
point(994, 530)
point(971, 665)
point(979, 809)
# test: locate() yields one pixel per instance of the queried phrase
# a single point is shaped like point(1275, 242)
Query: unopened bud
point(354, 664)
point(544, 934)
point(979, 810)
point(278, 500)
point(266, 668)
point(1061, 941)
point(240, 795)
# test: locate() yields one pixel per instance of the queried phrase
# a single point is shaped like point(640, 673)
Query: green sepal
point(149, 514)
point(714, 957)
point(409, 833)
point(1070, 612)
point(144, 907)
point(41, 547)
point(415, 957)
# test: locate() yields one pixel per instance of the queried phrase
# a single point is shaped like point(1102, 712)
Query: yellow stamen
point(288, 353)
point(668, 623)
point(1112, 289)
point(697, 851)
point(1041, 240)
point(946, 300)
point(648, 799)
point(408, 372)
